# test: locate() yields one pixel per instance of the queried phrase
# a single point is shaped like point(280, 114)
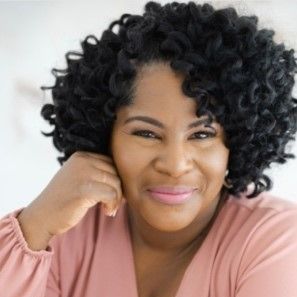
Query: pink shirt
point(250, 251)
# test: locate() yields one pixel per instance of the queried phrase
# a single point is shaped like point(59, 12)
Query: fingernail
point(111, 213)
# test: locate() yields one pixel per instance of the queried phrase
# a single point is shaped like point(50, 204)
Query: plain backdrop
point(34, 37)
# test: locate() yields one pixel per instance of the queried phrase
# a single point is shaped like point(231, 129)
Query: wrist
point(36, 236)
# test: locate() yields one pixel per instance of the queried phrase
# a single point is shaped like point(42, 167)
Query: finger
point(108, 197)
point(101, 192)
point(99, 156)
point(99, 161)
point(110, 179)
point(102, 166)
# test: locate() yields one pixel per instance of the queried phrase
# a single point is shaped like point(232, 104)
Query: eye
point(143, 133)
point(206, 134)
point(199, 135)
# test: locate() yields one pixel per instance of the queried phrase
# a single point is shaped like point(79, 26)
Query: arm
point(24, 271)
point(269, 265)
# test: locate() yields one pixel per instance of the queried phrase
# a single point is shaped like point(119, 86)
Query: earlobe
point(227, 182)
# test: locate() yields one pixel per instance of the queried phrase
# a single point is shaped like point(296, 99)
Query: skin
point(172, 155)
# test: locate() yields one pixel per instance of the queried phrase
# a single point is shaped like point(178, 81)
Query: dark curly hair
point(235, 72)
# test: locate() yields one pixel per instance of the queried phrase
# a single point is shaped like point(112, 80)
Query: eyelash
point(139, 132)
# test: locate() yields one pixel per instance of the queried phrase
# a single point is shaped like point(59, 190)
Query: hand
point(84, 180)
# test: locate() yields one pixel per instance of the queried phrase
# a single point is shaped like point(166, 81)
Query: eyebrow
point(155, 122)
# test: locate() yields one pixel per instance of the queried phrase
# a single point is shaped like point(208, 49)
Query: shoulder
point(246, 225)
point(265, 216)
point(253, 235)
point(265, 200)
point(262, 230)
point(259, 244)
point(264, 212)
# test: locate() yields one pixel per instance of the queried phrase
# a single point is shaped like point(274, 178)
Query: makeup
point(171, 199)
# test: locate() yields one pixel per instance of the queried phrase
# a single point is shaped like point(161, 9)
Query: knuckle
point(103, 177)
point(78, 154)
point(103, 156)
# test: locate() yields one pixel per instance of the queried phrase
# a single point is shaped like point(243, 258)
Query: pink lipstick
point(171, 198)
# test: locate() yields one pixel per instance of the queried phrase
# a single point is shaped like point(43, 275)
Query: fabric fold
point(23, 272)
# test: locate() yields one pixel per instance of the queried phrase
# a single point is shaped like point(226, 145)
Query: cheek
point(127, 150)
point(124, 153)
point(127, 158)
point(216, 161)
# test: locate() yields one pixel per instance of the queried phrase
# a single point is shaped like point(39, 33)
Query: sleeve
point(24, 272)
point(269, 264)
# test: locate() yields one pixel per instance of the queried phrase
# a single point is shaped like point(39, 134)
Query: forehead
point(157, 86)
point(157, 93)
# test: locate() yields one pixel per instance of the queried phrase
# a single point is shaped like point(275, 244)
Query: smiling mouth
point(171, 199)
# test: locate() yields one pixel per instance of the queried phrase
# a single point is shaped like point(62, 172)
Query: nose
point(174, 159)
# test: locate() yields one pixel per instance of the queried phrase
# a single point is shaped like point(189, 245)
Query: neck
point(148, 238)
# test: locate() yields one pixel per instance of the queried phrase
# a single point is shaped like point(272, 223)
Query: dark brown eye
point(144, 133)
point(149, 134)
point(205, 134)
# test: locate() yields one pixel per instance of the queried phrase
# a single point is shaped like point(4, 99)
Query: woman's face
point(170, 155)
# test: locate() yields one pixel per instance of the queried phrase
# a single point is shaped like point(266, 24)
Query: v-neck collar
point(197, 271)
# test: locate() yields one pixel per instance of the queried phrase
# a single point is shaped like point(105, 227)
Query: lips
point(171, 199)
point(172, 190)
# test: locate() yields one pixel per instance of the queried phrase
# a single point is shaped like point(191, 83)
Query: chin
point(170, 224)
point(169, 218)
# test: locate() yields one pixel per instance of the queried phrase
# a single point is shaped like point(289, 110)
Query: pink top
point(250, 251)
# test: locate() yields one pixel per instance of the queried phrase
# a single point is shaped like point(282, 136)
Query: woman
point(170, 123)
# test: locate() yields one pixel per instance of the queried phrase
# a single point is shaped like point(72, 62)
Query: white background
point(34, 37)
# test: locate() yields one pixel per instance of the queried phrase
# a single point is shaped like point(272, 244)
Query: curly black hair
point(236, 72)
